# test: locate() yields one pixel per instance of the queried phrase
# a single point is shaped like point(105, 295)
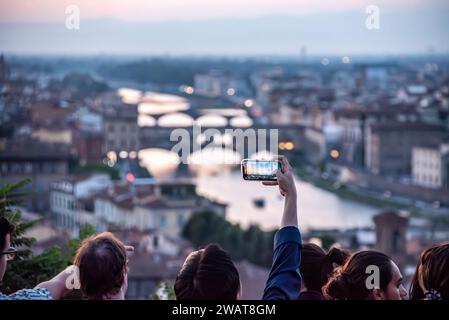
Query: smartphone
point(260, 170)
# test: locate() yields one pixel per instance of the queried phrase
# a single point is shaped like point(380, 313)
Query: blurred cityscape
point(94, 138)
point(91, 125)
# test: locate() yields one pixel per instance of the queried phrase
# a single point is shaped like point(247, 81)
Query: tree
point(165, 291)
point(253, 244)
point(27, 270)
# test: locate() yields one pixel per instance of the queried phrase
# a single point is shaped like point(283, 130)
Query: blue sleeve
point(284, 280)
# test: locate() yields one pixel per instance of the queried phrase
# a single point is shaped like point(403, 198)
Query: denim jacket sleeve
point(284, 280)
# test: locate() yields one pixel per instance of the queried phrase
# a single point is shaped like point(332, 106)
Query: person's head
point(431, 279)
point(366, 275)
point(317, 265)
point(103, 267)
point(6, 230)
point(208, 274)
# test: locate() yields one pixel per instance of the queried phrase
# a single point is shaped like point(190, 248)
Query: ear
point(238, 295)
point(377, 294)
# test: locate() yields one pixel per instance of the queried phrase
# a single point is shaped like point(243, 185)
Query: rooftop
point(31, 149)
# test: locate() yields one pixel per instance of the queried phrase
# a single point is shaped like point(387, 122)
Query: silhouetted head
point(6, 230)
point(208, 274)
point(366, 275)
point(103, 266)
point(317, 265)
point(431, 279)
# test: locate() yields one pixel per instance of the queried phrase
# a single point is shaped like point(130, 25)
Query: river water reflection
point(317, 208)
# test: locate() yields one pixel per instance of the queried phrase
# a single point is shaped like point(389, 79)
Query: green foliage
point(252, 244)
point(165, 291)
point(27, 270)
point(81, 83)
point(154, 71)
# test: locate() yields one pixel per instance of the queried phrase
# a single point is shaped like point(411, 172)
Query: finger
point(270, 183)
point(284, 164)
point(129, 248)
point(279, 174)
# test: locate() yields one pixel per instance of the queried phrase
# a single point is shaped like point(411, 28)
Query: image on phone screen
point(263, 170)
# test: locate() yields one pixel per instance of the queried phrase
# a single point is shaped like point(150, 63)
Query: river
point(317, 208)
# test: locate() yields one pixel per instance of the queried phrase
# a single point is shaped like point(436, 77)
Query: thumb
point(278, 174)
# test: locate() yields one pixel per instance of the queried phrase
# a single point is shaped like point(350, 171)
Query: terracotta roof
point(27, 148)
point(153, 266)
point(405, 126)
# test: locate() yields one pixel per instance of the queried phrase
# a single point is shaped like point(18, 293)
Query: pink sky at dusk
point(153, 10)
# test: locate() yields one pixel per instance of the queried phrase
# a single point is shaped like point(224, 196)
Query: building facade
point(389, 146)
point(430, 166)
point(42, 163)
point(69, 210)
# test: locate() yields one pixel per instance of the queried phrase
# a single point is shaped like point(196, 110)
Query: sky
point(160, 10)
point(224, 27)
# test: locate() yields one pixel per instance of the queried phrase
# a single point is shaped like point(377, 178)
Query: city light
point(130, 177)
point(325, 61)
point(248, 103)
point(189, 90)
point(230, 92)
point(334, 154)
point(286, 145)
point(123, 154)
point(112, 156)
point(289, 146)
point(345, 60)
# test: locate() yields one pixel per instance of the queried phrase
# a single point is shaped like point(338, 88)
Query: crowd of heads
point(210, 273)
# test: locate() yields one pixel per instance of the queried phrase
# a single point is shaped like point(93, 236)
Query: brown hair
point(433, 270)
point(348, 282)
point(6, 228)
point(317, 265)
point(208, 274)
point(102, 263)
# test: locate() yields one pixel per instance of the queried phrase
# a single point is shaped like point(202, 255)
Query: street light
point(248, 103)
point(289, 146)
point(334, 154)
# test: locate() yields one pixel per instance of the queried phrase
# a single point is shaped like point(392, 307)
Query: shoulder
point(28, 294)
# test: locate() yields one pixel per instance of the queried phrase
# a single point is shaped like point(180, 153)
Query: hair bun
point(338, 287)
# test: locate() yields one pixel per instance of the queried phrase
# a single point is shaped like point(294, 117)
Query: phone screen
point(260, 169)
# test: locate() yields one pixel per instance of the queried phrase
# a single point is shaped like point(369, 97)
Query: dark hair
point(433, 270)
point(102, 262)
point(6, 228)
point(316, 266)
point(208, 274)
point(348, 282)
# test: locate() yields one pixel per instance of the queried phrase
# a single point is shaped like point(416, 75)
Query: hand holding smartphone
point(260, 170)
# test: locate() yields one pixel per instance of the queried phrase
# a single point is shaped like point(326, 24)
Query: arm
point(284, 280)
point(61, 284)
